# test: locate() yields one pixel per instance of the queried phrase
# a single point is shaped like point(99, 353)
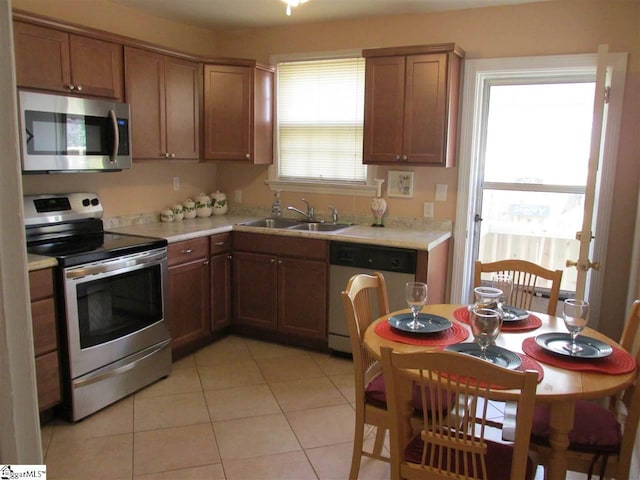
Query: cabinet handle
point(229, 257)
point(397, 157)
point(219, 244)
point(173, 155)
point(404, 158)
point(279, 262)
point(72, 87)
point(273, 260)
point(247, 156)
point(79, 88)
point(186, 251)
point(166, 155)
point(206, 262)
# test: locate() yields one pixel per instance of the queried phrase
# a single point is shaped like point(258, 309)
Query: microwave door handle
point(116, 136)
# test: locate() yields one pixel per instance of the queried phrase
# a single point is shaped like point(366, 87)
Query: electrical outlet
point(237, 195)
point(176, 184)
point(428, 209)
point(441, 192)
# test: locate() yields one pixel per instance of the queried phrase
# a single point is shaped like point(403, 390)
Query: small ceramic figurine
point(219, 201)
point(378, 204)
point(189, 208)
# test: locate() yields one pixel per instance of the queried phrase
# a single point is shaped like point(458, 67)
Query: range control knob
point(85, 202)
point(95, 201)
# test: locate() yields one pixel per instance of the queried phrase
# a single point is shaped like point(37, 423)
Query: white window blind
point(320, 117)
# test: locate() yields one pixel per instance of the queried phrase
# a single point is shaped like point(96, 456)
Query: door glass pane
point(539, 133)
point(536, 226)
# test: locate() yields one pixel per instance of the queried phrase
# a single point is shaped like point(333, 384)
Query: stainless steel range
point(114, 332)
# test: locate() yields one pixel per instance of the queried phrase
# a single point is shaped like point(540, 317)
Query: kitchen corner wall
point(146, 188)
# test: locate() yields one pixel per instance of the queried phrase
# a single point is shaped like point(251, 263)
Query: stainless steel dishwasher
point(398, 265)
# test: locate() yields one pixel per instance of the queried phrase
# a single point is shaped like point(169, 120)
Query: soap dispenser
point(276, 210)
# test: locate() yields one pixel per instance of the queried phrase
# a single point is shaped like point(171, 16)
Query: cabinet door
point(48, 380)
point(96, 66)
point(228, 91)
point(182, 83)
point(146, 93)
point(384, 109)
point(42, 57)
point(255, 290)
point(302, 298)
point(424, 110)
point(220, 291)
point(189, 293)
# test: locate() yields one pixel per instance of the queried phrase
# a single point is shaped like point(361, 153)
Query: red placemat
point(455, 334)
point(531, 323)
point(617, 363)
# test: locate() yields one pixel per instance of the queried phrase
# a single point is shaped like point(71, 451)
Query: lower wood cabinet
point(45, 338)
point(189, 295)
point(220, 268)
point(280, 287)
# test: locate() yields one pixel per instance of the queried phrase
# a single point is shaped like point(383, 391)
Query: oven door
point(115, 308)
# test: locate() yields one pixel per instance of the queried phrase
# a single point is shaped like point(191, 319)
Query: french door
point(525, 170)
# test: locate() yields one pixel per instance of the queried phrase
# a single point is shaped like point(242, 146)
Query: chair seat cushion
point(375, 394)
point(498, 458)
point(595, 429)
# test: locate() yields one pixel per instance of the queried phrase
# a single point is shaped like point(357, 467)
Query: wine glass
point(503, 282)
point(576, 316)
point(416, 295)
point(485, 326)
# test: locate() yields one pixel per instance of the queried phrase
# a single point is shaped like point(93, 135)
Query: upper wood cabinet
point(51, 59)
point(238, 113)
point(164, 94)
point(411, 104)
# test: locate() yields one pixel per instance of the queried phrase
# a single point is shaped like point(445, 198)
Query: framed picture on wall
point(400, 184)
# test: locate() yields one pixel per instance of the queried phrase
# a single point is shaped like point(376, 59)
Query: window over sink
point(319, 126)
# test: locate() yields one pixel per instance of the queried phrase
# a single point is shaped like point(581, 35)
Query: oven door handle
point(112, 372)
point(112, 265)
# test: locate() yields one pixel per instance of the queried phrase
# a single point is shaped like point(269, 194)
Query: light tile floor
point(237, 409)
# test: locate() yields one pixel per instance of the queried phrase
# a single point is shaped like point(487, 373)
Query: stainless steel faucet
point(310, 213)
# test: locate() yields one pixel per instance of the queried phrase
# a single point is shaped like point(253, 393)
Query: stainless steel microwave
point(72, 134)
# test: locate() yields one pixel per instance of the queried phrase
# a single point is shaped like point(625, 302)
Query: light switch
point(441, 192)
point(237, 194)
point(428, 209)
point(176, 184)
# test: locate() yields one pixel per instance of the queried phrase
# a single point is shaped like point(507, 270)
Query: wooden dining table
point(559, 387)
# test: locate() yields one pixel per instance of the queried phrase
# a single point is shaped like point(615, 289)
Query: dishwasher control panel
point(375, 257)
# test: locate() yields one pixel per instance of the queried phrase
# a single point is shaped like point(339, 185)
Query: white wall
point(19, 422)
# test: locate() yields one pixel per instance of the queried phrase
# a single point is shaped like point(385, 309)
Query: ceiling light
point(293, 3)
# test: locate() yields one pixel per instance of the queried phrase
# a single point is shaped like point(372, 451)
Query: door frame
point(475, 74)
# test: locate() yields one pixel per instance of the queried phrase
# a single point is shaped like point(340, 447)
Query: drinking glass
point(576, 316)
point(485, 326)
point(416, 295)
point(504, 282)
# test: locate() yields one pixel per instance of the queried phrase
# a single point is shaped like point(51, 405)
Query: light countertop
point(416, 237)
point(420, 237)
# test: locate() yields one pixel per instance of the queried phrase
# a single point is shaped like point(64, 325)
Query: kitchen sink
point(272, 223)
point(320, 227)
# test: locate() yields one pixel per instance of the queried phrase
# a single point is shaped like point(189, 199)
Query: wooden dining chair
point(463, 445)
point(527, 277)
point(603, 436)
point(371, 408)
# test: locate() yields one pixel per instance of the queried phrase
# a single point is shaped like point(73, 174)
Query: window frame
point(363, 189)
